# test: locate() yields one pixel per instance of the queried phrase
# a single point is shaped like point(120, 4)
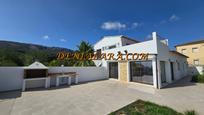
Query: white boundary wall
point(85, 73)
point(11, 78)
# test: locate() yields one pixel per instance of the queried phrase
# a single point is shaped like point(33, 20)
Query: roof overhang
point(36, 65)
point(179, 54)
point(190, 43)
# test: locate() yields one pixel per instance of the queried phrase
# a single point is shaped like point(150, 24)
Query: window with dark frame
point(111, 47)
point(196, 61)
point(183, 51)
point(98, 52)
point(141, 71)
point(195, 49)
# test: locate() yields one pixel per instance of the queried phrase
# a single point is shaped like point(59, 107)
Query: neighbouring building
point(194, 50)
point(162, 67)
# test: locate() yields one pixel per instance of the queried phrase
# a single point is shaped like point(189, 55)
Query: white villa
point(162, 67)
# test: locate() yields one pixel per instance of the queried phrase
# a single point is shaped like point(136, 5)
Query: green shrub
point(198, 78)
point(191, 112)
point(201, 78)
point(195, 78)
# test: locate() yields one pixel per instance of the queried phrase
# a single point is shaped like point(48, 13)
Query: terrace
point(100, 97)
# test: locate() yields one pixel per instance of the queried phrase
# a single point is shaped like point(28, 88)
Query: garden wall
point(11, 78)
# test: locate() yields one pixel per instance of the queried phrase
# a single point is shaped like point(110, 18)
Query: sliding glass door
point(141, 71)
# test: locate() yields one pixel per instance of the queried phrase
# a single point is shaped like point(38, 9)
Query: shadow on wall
point(184, 82)
point(10, 95)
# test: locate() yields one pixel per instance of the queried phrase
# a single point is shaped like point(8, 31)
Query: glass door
point(141, 71)
point(113, 70)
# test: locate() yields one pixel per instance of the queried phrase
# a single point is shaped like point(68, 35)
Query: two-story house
point(162, 67)
point(194, 50)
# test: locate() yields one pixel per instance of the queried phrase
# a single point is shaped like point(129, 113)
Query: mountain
point(23, 54)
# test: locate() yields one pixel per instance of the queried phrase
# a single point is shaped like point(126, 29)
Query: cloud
point(148, 37)
point(113, 26)
point(46, 37)
point(136, 24)
point(63, 40)
point(173, 18)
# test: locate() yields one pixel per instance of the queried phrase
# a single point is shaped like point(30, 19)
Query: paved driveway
point(100, 97)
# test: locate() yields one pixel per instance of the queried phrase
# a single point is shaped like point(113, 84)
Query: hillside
point(23, 54)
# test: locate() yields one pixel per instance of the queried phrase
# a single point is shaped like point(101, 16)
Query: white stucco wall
point(175, 58)
point(164, 54)
point(143, 47)
point(108, 41)
point(85, 73)
point(11, 78)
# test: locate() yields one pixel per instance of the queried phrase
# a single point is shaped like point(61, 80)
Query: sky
point(65, 23)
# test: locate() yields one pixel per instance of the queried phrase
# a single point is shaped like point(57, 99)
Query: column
point(76, 79)
point(69, 80)
point(47, 82)
point(154, 67)
point(24, 85)
point(57, 81)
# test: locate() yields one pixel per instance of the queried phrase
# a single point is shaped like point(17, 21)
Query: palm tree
point(84, 48)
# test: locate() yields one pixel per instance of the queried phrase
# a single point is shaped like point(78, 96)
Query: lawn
point(141, 107)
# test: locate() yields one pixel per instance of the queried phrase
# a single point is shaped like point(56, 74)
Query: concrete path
point(101, 97)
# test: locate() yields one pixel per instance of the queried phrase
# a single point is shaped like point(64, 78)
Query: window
point(196, 62)
point(141, 68)
point(183, 51)
point(194, 50)
point(111, 47)
point(141, 71)
point(98, 53)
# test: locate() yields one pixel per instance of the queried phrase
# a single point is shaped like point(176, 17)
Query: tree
point(85, 48)
point(61, 62)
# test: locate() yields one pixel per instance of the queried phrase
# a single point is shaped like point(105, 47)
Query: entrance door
point(163, 72)
point(113, 70)
point(172, 71)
